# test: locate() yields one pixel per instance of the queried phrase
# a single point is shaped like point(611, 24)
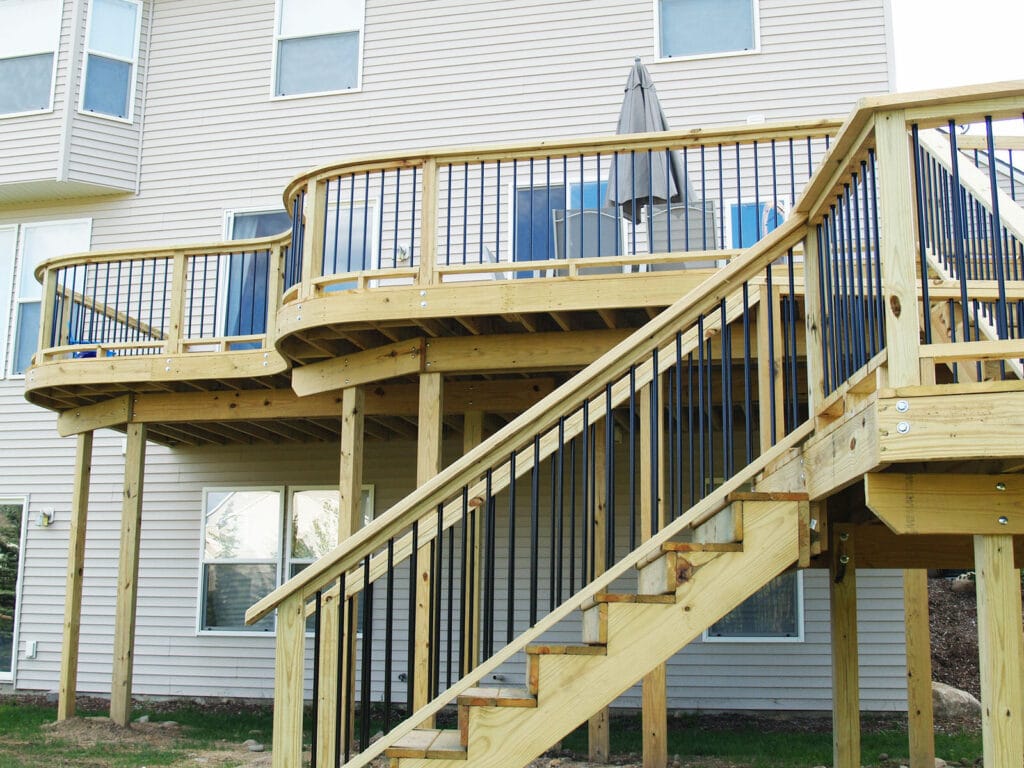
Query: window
point(348, 240)
point(774, 613)
point(39, 242)
point(753, 220)
point(8, 248)
point(112, 50)
point(318, 46)
point(245, 301)
point(29, 31)
point(707, 27)
point(243, 559)
point(555, 221)
point(12, 514)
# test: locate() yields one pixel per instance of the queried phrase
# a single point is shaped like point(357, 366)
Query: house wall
point(173, 659)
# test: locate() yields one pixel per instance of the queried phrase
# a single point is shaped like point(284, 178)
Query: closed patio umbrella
point(638, 179)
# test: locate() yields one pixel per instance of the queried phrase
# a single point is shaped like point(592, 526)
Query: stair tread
point(766, 496)
point(414, 744)
point(498, 697)
point(448, 744)
point(566, 650)
point(627, 597)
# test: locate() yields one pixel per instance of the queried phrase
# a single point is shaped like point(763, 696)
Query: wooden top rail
point(545, 414)
point(167, 252)
point(679, 139)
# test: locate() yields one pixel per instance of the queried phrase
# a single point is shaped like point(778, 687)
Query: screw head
point(902, 406)
point(903, 427)
point(423, 304)
point(1000, 486)
point(1004, 520)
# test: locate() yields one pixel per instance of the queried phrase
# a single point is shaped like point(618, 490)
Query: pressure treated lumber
point(920, 721)
point(598, 727)
point(128, 576)
point(76, 567)
point(845, 673)
point(947, 504)
point(999, 651)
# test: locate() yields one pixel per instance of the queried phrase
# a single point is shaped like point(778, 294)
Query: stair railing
point(689, 415)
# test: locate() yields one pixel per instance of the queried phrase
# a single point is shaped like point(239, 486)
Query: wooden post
point(769, 366)
point(315, 209)
point(275, 288)
point(46, 318)
point(999, 650)
point(598, 725)
point(128, 576)
point(845, 674)
point(76, 567)
point(428, 464)
point(332, 702)
point(472, 436)
point(654, 707)
point(812, 321)
point(921, 727)
point(428, 225)
point(897, 248)
point(289, 657)
point(172, 339)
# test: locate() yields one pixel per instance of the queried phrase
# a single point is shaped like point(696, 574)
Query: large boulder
point(948, 701)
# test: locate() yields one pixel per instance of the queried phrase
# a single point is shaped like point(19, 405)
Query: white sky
point(941, 43)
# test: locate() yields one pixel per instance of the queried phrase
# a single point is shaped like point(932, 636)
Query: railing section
point(605, 206)
point(210, 299)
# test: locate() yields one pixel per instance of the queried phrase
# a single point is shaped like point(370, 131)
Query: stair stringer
point(571, 688)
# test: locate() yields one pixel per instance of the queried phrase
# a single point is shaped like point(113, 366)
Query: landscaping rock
point(940, 763)
point(249, 742)
point(948, 701)
point(256, 748)
point(143, 719)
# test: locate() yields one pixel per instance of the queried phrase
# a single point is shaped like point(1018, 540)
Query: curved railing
point(162, 301)
point(699, 396)
point(559, 208)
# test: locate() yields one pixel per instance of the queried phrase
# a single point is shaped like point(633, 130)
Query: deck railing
point(162, 301)
point(560, 208)
point(684, 410)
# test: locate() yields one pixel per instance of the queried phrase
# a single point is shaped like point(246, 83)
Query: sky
point(941, 43)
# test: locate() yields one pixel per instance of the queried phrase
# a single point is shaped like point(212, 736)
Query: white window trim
point(53, 75)
point(16, 300)
point(203, 562)
point(278, 37)
point(798, 638)
point(659, 59)
point(134, 61)
point(10, 290)
point(283, 556)
point(19, 586)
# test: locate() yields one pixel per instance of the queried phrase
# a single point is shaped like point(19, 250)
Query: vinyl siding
point(172, 659)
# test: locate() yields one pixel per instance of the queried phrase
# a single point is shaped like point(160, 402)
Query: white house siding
point(447, 73)
point(105, 151)
point(172, 659)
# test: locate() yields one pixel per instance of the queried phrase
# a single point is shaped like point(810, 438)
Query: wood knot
point(895, 306)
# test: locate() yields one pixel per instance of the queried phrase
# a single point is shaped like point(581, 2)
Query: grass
point(25, 743)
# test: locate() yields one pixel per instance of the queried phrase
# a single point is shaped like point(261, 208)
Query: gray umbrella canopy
point(638, 179)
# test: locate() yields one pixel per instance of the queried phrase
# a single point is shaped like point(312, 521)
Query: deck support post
point(472, 436)
point(76, 568)
point(654, 707)
point(920, 725)
point(999, 650)
point(845, 673)
point(128, 575)
point(334, 702)
point(428, 464)
point(289, 658)
point(598, 736)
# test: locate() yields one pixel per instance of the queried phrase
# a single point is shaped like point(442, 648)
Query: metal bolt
point(1003, 520)
point(844, 559)
point(844, 536)
point(903, 427)
point(168, 369)
point(423, 293)
point(902, 406)
point(1000, 486)
point(423, 304)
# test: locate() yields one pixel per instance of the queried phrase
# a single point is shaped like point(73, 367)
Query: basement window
point(772, 614)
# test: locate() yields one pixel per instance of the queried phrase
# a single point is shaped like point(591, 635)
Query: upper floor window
point(29, 34)
point(318, 46)
point(112, 51)
point(707, 27)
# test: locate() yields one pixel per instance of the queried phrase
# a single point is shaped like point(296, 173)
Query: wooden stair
point(688, 586)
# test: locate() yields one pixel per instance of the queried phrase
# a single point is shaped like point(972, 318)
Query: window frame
point(275, 55)
point(661, 57)
point(53, 72)
point(88, 53)
point(19, 586)
point(17, 300)
point(767, 639)
point(283, 559)
point(8, 288)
